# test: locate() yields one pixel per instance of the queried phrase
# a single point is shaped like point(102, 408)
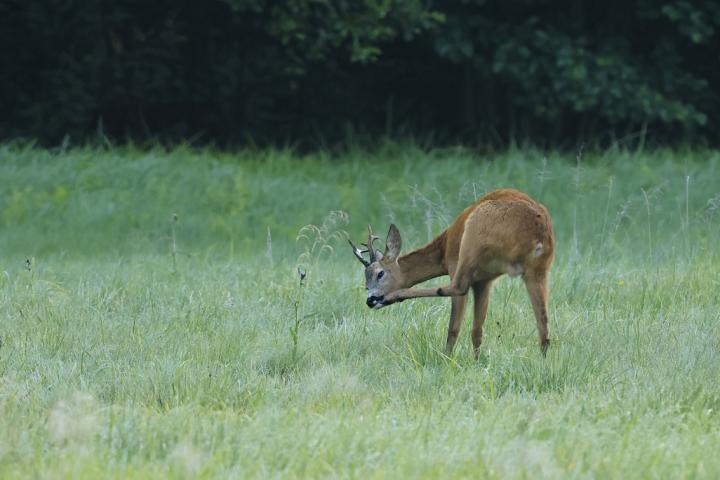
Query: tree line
point(314, 71)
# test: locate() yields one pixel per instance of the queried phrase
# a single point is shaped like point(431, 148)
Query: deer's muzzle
point(372, 301)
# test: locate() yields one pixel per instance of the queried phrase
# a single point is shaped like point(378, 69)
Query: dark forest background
point(309, 71)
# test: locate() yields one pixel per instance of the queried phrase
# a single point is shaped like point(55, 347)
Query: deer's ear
point(393, 244)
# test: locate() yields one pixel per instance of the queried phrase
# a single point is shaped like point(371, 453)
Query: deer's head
point(382, 272)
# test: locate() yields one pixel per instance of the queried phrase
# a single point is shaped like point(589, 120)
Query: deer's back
point(505, 224)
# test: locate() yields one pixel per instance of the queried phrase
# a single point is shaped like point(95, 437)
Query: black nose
point(372, 301)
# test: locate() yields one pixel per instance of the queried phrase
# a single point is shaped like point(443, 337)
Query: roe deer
point(505, 231)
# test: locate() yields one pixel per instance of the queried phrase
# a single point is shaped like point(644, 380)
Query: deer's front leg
point(458, 288)
point(408, 293)
point(457, 313)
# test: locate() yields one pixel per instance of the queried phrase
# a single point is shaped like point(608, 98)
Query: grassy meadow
point(152, 322)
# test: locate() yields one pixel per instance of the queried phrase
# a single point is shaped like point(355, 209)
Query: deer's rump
point(506, 235)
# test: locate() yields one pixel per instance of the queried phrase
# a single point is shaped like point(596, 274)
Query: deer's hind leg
point(536, 284)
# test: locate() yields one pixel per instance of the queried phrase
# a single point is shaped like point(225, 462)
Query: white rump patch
point(538, 250)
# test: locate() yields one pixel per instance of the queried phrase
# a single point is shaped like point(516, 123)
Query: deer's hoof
point(374, 301)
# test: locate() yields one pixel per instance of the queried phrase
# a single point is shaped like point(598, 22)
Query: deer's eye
point(381, 273)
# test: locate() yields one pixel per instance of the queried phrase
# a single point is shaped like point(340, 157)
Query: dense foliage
point(254, 70)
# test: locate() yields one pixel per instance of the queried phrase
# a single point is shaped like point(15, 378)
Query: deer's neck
point(424, 263)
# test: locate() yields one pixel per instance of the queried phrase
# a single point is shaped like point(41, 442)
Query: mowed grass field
point(152, 322)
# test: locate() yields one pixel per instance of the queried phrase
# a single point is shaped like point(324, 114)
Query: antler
point(358, 253)
point(370, 247)
point(375, 255)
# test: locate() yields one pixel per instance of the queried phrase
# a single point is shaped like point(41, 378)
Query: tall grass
point(136, 345)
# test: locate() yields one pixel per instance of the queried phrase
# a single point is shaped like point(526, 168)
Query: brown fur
point(505, 231)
